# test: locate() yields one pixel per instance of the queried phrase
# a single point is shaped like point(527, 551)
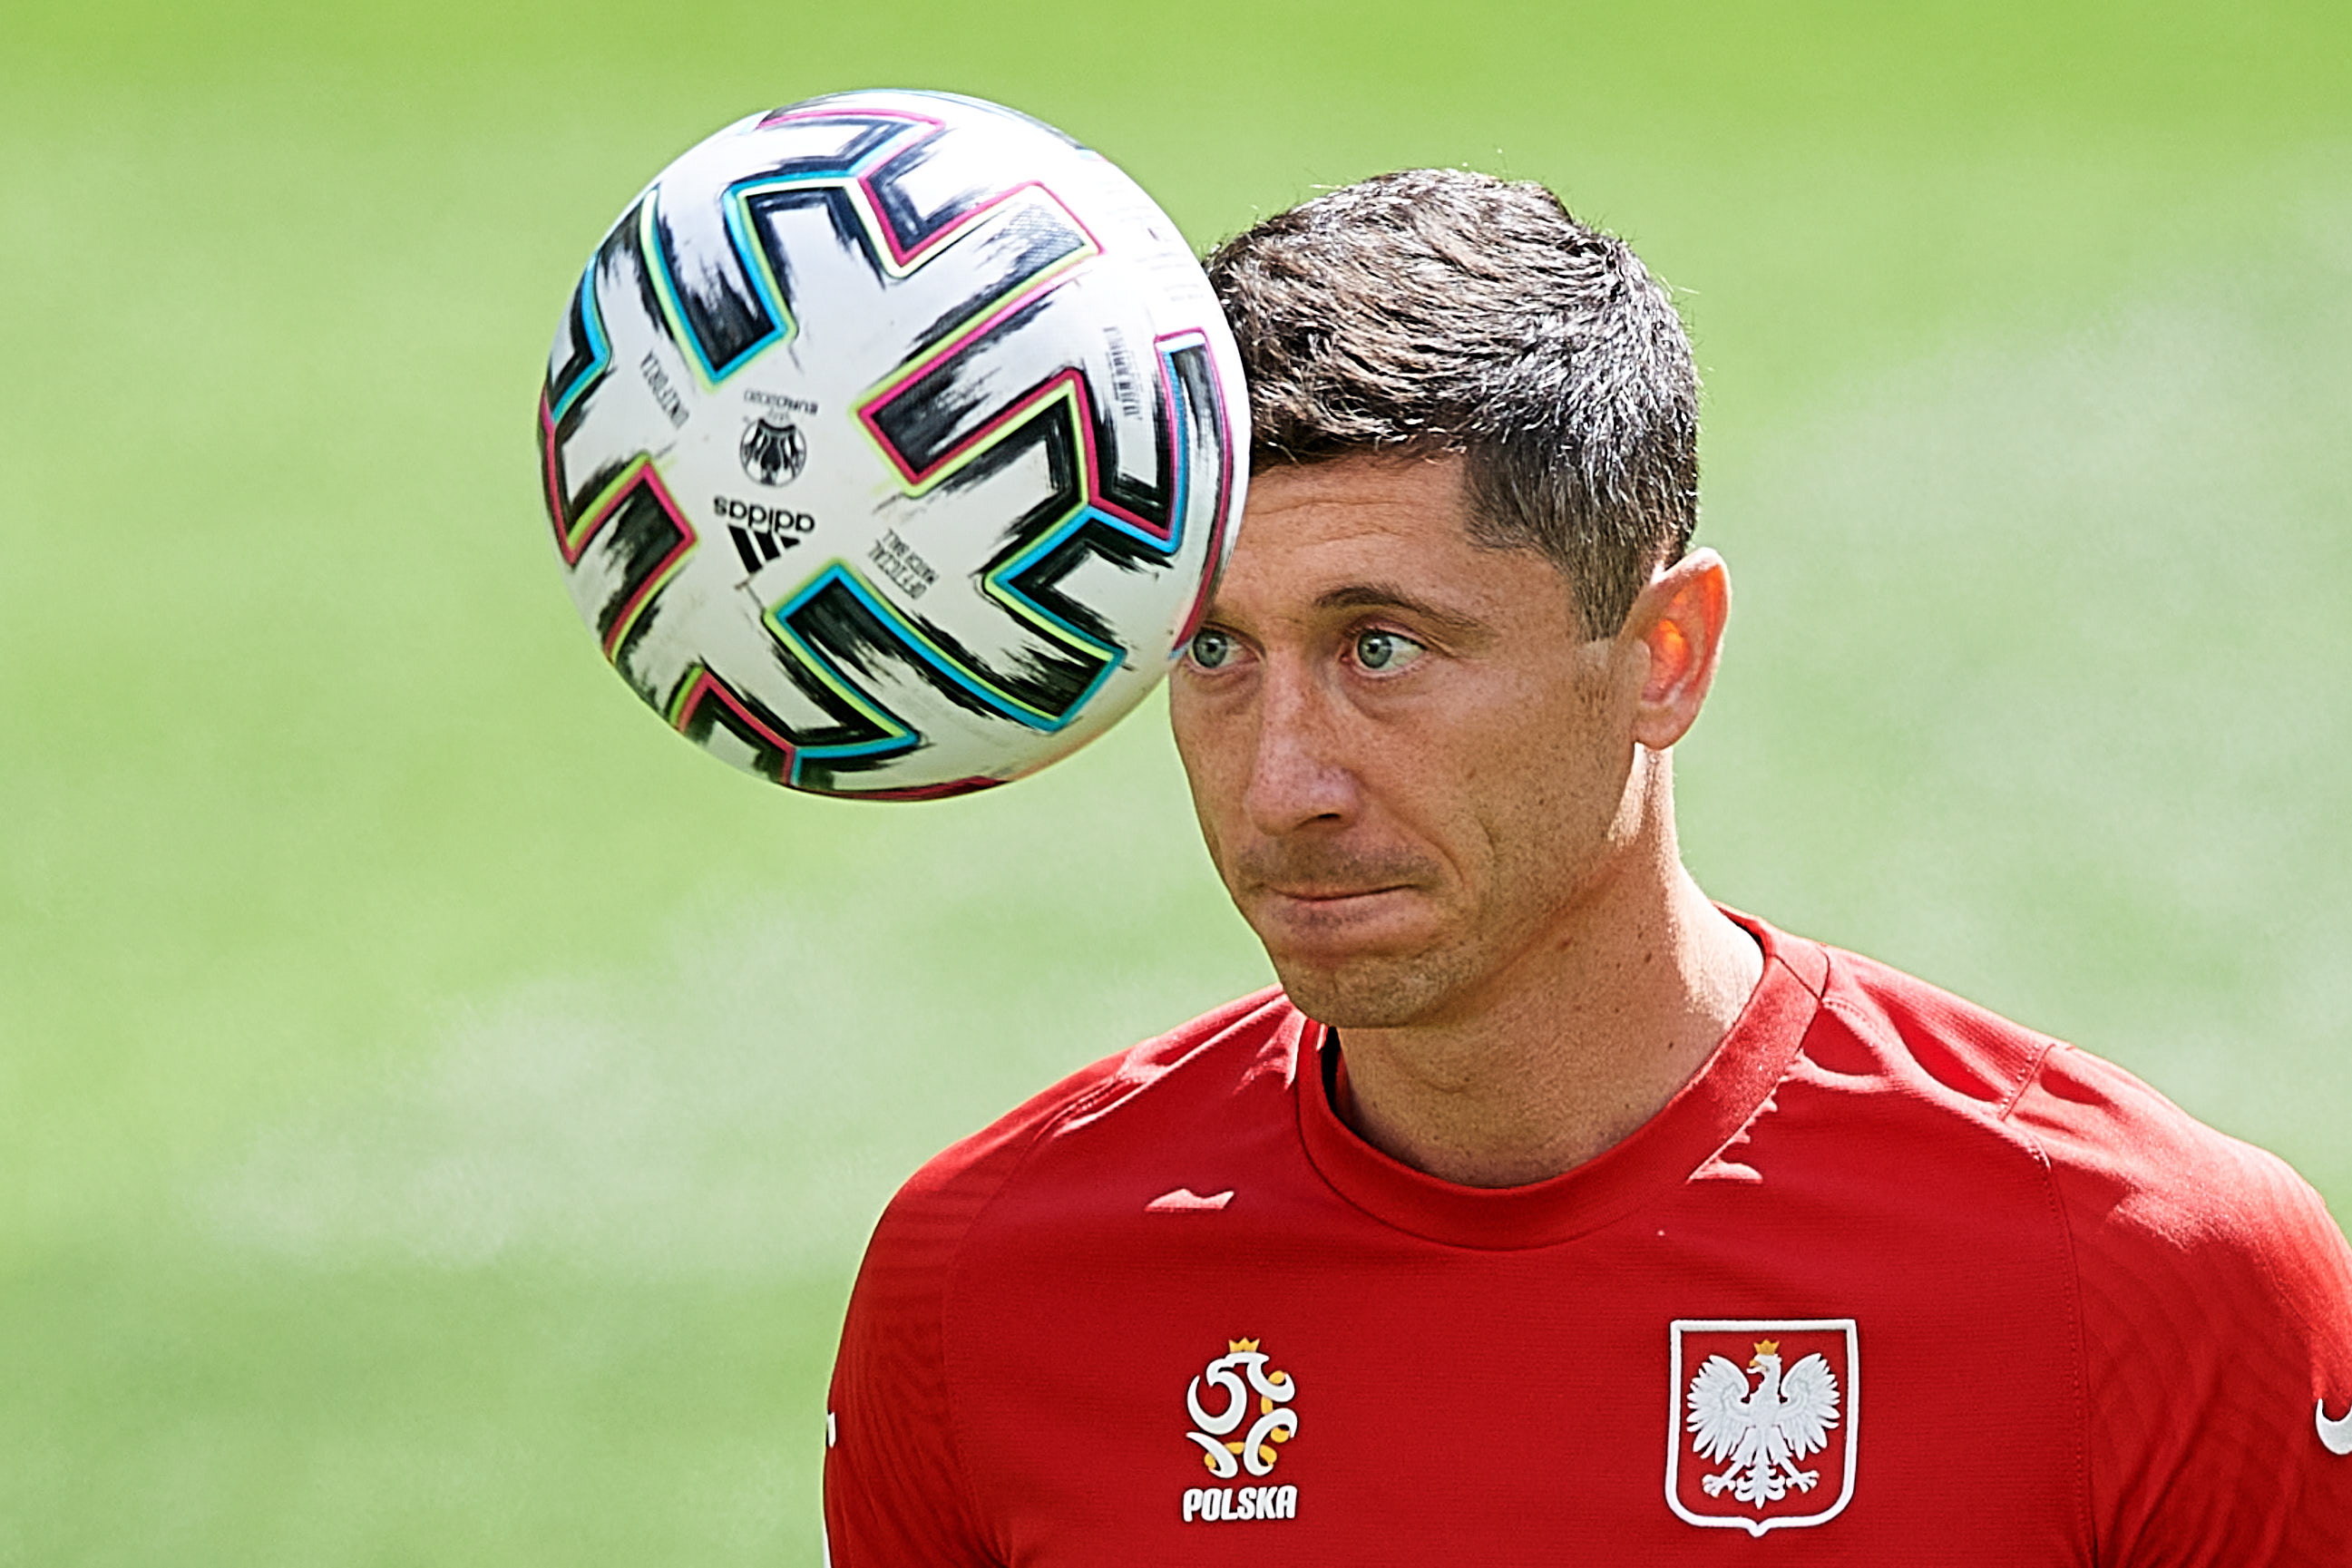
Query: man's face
point(1408, 761)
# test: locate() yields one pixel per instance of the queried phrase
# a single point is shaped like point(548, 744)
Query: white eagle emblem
point(1772, 1445)
point(1764, 1429)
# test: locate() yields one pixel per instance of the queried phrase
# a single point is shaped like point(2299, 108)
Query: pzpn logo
point(1242, 1412)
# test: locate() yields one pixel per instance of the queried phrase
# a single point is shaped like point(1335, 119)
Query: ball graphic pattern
point(891, 443)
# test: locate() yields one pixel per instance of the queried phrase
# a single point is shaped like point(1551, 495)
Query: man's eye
point(1386, 650)
point(1210, 649)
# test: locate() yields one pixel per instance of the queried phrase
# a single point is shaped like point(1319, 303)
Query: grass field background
point(439, 1112)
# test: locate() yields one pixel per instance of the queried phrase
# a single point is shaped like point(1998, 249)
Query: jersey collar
point(1702, 1115)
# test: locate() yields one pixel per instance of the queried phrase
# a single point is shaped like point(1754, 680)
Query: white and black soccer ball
point(892, 441)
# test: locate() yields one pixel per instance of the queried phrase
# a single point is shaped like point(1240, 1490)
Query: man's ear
point(1675, 633)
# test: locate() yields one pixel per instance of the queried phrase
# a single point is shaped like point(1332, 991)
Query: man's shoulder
point(2178, 1227)
point(1127, 1104)
point(2155, 1201)
point(1941, 1046)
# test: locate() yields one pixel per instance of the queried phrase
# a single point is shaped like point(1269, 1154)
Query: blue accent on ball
point(599, 346)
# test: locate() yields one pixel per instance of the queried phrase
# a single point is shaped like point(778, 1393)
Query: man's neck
point(1590, 1040)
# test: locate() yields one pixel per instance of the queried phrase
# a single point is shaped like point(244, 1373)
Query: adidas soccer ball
point(891, 443)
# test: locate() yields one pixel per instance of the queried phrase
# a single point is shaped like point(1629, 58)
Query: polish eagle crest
point(1762, 1428)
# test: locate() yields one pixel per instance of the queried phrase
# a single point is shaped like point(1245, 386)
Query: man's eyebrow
point(1389, 596)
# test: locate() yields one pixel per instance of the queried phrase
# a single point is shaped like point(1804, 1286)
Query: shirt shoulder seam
point(2079, 1362)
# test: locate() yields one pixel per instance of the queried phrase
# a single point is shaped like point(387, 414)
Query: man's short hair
point(1437, 310)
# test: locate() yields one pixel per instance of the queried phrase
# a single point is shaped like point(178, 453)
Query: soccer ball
point(891, 443)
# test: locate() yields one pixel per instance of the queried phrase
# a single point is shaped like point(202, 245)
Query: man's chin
point(1365, 990)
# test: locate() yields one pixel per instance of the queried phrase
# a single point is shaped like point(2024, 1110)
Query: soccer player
point(1550, 1212)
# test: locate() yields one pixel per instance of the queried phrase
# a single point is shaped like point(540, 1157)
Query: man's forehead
point(1368, 478)
point(1372, 532)
point(1353, 507)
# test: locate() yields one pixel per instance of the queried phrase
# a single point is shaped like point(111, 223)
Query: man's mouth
point(1311, 907)
point(1330, 896)
point(1333, 895)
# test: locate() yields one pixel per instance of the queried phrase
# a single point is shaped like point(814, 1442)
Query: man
point(1549, 1213)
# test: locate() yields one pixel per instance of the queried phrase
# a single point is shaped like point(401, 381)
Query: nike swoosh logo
point(2335, 1436)
point(1184, 1200)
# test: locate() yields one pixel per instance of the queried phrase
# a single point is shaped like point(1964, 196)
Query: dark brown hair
point(1435, 310)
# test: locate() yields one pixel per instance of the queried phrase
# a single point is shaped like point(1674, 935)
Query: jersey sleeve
point(2216, 1312)
point(896, 1494)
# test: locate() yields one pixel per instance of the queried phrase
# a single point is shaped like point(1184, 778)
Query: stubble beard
point(1372, 990)
point(1376, 992)
point(1373, 993)
point(1455, 975)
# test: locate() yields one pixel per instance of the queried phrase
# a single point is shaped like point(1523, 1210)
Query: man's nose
point(1299, 772)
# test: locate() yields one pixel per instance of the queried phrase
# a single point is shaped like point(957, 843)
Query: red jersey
point(1891, 1280)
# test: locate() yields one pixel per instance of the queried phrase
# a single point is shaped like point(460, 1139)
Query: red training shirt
point(1891, 1280)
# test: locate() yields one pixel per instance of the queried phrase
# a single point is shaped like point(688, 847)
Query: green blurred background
point(441, 1110)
